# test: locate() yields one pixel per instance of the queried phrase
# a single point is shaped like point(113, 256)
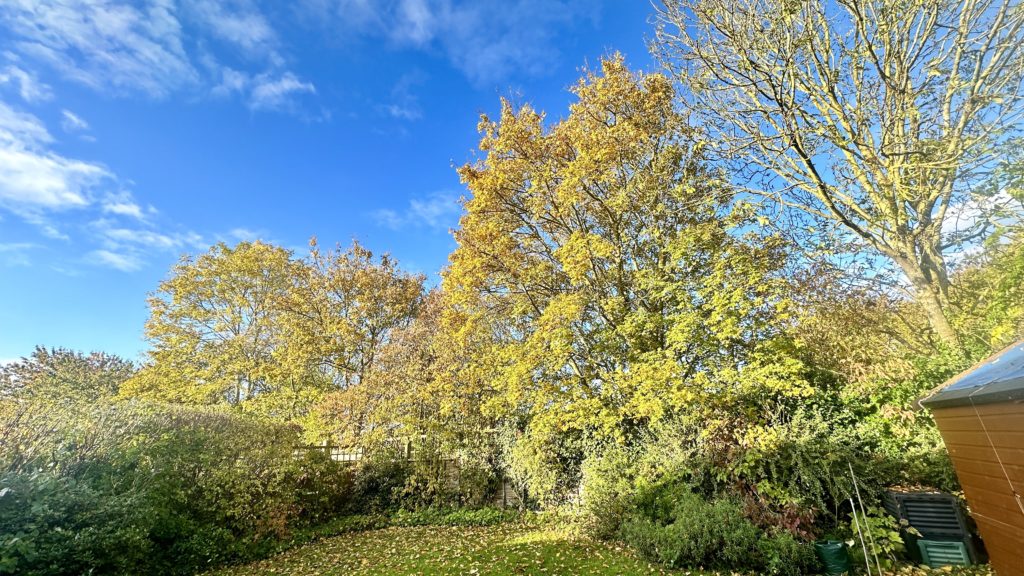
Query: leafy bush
point(783, 555)
point(128, 487)
point(885, 539)
point(607, 491)
point(682, 529)
point(679, 528)
point(458, 517)
point(324, 488)
point(440, 479)
point(379, 483)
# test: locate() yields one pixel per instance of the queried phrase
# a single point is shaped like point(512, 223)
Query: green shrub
point(379, 482)
point(107, 488)
point(478, 517)
point(885, 539)
point(459, 517)
point(674, 526)
point(783, 555)
point(324, 488)
point(51, 524)
point(684, 530)
point(606, 493)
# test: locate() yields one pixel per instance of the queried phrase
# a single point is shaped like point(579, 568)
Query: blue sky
point(132, 133)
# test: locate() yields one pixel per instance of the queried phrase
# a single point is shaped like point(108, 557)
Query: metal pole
point(867, 561)
point(864, 515)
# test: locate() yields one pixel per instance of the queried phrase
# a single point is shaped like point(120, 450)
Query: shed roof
point(999, 378)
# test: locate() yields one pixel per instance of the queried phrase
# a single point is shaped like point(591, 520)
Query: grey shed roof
point(1000, 378)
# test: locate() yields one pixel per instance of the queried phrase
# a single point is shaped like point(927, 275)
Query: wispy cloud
point(238, 23)
point(156, 48)
point(488, 40)
point(270, 93)
point(34, 179)
point(16, 253)
point(128, 237)
point(29, 87)
point(243, 235)
point(123, 204)
point(71, 122)
point(128, 248)
point(103, 44)
point(117, 261)
point(56, 194)
point(439, 211)
point(404, 105)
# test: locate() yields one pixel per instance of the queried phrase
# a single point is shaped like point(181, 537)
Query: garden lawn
point(497, 550)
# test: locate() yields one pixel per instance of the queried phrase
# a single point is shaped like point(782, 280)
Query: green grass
point(504, 549)
point(498, 550)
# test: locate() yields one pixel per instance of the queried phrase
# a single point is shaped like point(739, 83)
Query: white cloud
point(37, 184)
point(21, 129)
point(108, 259)
point(967, 216)
point(245, 235)
point(16, 246)
point(263, 92)
point(104, 44)
point(16, 253)
point(123, 204)
point(129, 248)
point(231, 82)
point(29, 87)
point(401, 112)
point(418, 21)
point(127, 237)
point(492, 40)
point(270, 93)
point(152, 47)
point(488, 40)
point(71, 122)
point(33, 178)
point(238, 23)
point(440, 211)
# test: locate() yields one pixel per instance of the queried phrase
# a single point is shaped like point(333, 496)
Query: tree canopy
point(881, 116)
point(254, 326)
point(607, 261)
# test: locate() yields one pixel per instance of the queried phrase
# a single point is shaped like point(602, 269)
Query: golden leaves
point(496, 550)
point(253, 326)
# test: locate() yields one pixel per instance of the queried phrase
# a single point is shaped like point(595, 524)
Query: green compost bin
point(833, 556)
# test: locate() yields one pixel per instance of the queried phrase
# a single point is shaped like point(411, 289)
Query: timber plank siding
point(980, 414)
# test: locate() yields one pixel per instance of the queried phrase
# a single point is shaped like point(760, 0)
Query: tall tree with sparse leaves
point(879, 116)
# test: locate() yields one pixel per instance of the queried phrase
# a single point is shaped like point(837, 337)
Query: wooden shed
point(980, 414)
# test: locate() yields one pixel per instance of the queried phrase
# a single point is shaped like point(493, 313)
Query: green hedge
point(679, 528)
point(137, 488)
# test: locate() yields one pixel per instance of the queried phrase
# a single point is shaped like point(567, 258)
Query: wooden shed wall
point(992, 501)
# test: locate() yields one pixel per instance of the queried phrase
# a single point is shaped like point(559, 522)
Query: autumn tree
point(59, 374)
point(343, 308)
point(601, 272)
point(408, 393)
point(256, 327)
point(215, 326)
point(880, 116)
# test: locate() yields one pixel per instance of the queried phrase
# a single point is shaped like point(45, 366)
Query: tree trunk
point(930, 291)
point(932, 304)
